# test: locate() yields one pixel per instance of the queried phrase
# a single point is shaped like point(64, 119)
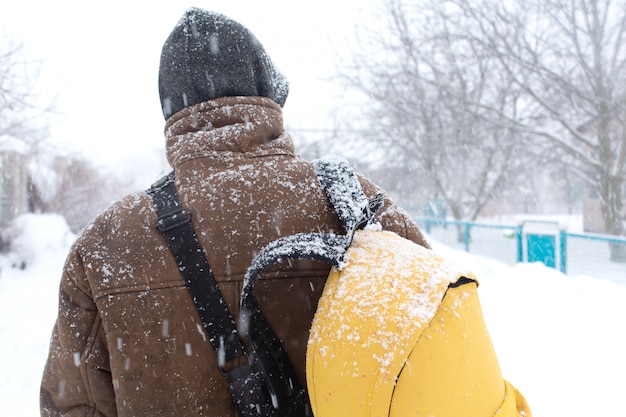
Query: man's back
point(125, 294)
point(128, 340)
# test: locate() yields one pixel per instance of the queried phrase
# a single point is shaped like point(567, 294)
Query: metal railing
point(595, 255)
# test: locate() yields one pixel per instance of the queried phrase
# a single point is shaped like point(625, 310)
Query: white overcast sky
point(101, 59)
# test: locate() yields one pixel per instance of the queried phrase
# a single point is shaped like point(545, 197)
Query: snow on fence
point(601, 256)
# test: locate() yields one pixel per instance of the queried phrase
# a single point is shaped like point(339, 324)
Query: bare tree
point(73, 186)
point(568, 58)
point(55, 182)
point(427, 93)
point(21, 112)
point(22, 126)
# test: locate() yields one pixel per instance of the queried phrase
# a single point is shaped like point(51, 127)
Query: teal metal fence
point(601, 256)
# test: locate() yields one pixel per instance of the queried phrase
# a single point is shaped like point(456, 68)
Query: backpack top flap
point(369, 318)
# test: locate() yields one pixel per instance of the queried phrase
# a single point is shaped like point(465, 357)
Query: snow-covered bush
point(32, 237)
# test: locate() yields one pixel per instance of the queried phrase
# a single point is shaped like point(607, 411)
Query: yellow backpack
point(398, 330)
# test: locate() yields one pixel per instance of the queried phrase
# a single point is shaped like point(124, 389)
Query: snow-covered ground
point(560, 339)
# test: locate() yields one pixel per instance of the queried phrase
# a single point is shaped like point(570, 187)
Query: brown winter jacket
point(128, 340)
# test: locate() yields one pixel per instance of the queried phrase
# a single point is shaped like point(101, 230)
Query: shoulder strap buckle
point(171, 220)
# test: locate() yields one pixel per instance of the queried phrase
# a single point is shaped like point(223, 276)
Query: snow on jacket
point(128, 340)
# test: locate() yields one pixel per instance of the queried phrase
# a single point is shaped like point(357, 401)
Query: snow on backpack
point(398, 330)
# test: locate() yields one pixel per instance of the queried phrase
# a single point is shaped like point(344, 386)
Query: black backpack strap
point(291, 398)
point(355, 211)
point(322, 247)
point(246, 382)
point(174, 222)
point(345, 193)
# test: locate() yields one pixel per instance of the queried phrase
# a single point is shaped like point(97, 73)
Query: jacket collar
point(229, 125)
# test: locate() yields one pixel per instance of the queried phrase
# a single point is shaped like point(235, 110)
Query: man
point(128, 340)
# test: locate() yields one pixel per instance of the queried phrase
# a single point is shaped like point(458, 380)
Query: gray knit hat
point(208, 56)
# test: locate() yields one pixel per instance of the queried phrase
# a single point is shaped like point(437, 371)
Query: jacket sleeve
point(392, 217)
point(76, 379)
